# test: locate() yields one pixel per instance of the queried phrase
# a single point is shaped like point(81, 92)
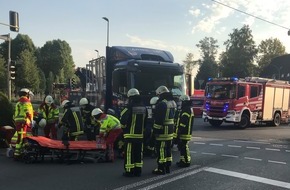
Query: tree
point(238, 59)
point(55, 56)
point(189, 63)
point(268, 49)
point(3, 74)
point(208, 66)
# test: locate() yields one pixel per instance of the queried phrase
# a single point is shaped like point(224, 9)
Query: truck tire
point(215, 123)
point(245, 122)
point(276, 120)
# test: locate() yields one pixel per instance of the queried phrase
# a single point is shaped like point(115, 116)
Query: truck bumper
point(231, 117)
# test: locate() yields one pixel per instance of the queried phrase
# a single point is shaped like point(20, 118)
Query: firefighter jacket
point(23, 111)
point(108, 123)
point(133, 121)
point(72, 119)
point(86, 114)
point(50, 113)
point(164, 120)
point(185, 121)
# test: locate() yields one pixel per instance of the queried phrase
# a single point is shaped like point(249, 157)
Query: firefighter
point(71, 122)
point(23, 117)
point(133, 121)
point(50, 112)
point(89, 125)
point(149, 139)
point(110, 130)
point(163, 129)
point(184, 130)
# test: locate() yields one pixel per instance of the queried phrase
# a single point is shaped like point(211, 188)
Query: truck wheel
point(276, 120)
point(215, 123)
point(245, 121)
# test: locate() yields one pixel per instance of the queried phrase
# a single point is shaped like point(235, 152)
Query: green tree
point(268, 49)
point(208, 66)
point(3, 75)
point(55, 56)
point(189, 63)
point(238, 59)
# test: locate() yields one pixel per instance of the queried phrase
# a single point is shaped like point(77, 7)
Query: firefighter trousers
point(164, 154)
point(184, 151)
point(133, 159)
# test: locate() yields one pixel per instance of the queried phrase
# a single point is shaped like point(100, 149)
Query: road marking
point(253, 147)
point(256, 159)
point(198, 143)
point(276, 162)
point(160, 177)
point(208, 153)
point(234, 146)
point(231, 156)
point(272, 149)
point(287, 150)
point(213, 144)
point(252, 142)
point(249, 177)
point(181, 176)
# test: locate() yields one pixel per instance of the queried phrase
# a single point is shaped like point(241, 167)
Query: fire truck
point(247, 101)
point(197, 100)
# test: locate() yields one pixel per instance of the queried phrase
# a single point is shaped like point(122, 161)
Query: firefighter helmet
point(48, 100)
point(184, 98)
point(154, 100)
point(161, 90)
point(133, 92)
point(26, 92)
point(84, 101)
point(42, 122)
point(96, 112)
point(64, 103)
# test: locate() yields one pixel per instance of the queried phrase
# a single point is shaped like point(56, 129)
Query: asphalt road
point(222, 158)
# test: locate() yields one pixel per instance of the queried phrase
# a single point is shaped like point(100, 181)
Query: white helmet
point(133, 92)
point(48, 100)
point(84, 101)
point(42, 122)
point(154, 100)
point(26, 90)
point(161, 90)
point(64, 103)
point(184, 98)
point(96, 112)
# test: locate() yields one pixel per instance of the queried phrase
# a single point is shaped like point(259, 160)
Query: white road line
point(208, 153)
point(234, 146)
point(252, 142)
point(231, 156)
point(181, 176)
point(249, 177)
point(276, 162)
point(249, 158)
point(198, 143)
point(160, 177)
point(253, 147)
point(272, 149)
point(287, 150)
point(213, 144)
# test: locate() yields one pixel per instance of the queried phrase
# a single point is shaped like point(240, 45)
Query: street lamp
point(106, 19)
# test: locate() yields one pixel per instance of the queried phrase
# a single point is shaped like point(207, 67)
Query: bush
point(6, 111)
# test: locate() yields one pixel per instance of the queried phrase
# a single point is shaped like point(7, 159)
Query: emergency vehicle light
point(224, 79)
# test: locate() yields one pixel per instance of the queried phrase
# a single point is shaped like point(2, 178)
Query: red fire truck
point(197, 100)
point(247, 101)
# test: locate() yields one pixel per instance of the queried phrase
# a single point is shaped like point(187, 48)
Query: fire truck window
point(254, 91)
point(241, 91)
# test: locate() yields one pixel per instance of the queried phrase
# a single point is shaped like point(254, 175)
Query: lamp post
point(106, 19)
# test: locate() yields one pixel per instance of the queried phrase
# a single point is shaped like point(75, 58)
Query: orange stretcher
point(38, 148)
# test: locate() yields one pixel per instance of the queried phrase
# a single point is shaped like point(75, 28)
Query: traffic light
point(12, 70)
point(73, 83)
point(14, 21)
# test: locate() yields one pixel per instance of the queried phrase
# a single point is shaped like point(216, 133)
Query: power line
point(251, 15)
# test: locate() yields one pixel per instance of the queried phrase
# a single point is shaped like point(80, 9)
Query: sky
point(171, 25)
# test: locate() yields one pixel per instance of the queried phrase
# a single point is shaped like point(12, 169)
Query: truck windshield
point(221, 91)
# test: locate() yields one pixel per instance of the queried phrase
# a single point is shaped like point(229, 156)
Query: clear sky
point(172, 25)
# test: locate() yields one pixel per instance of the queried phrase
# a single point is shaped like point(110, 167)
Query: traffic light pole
point(7, 38)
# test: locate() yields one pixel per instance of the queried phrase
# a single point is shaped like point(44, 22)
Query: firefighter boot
point(160, 170)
